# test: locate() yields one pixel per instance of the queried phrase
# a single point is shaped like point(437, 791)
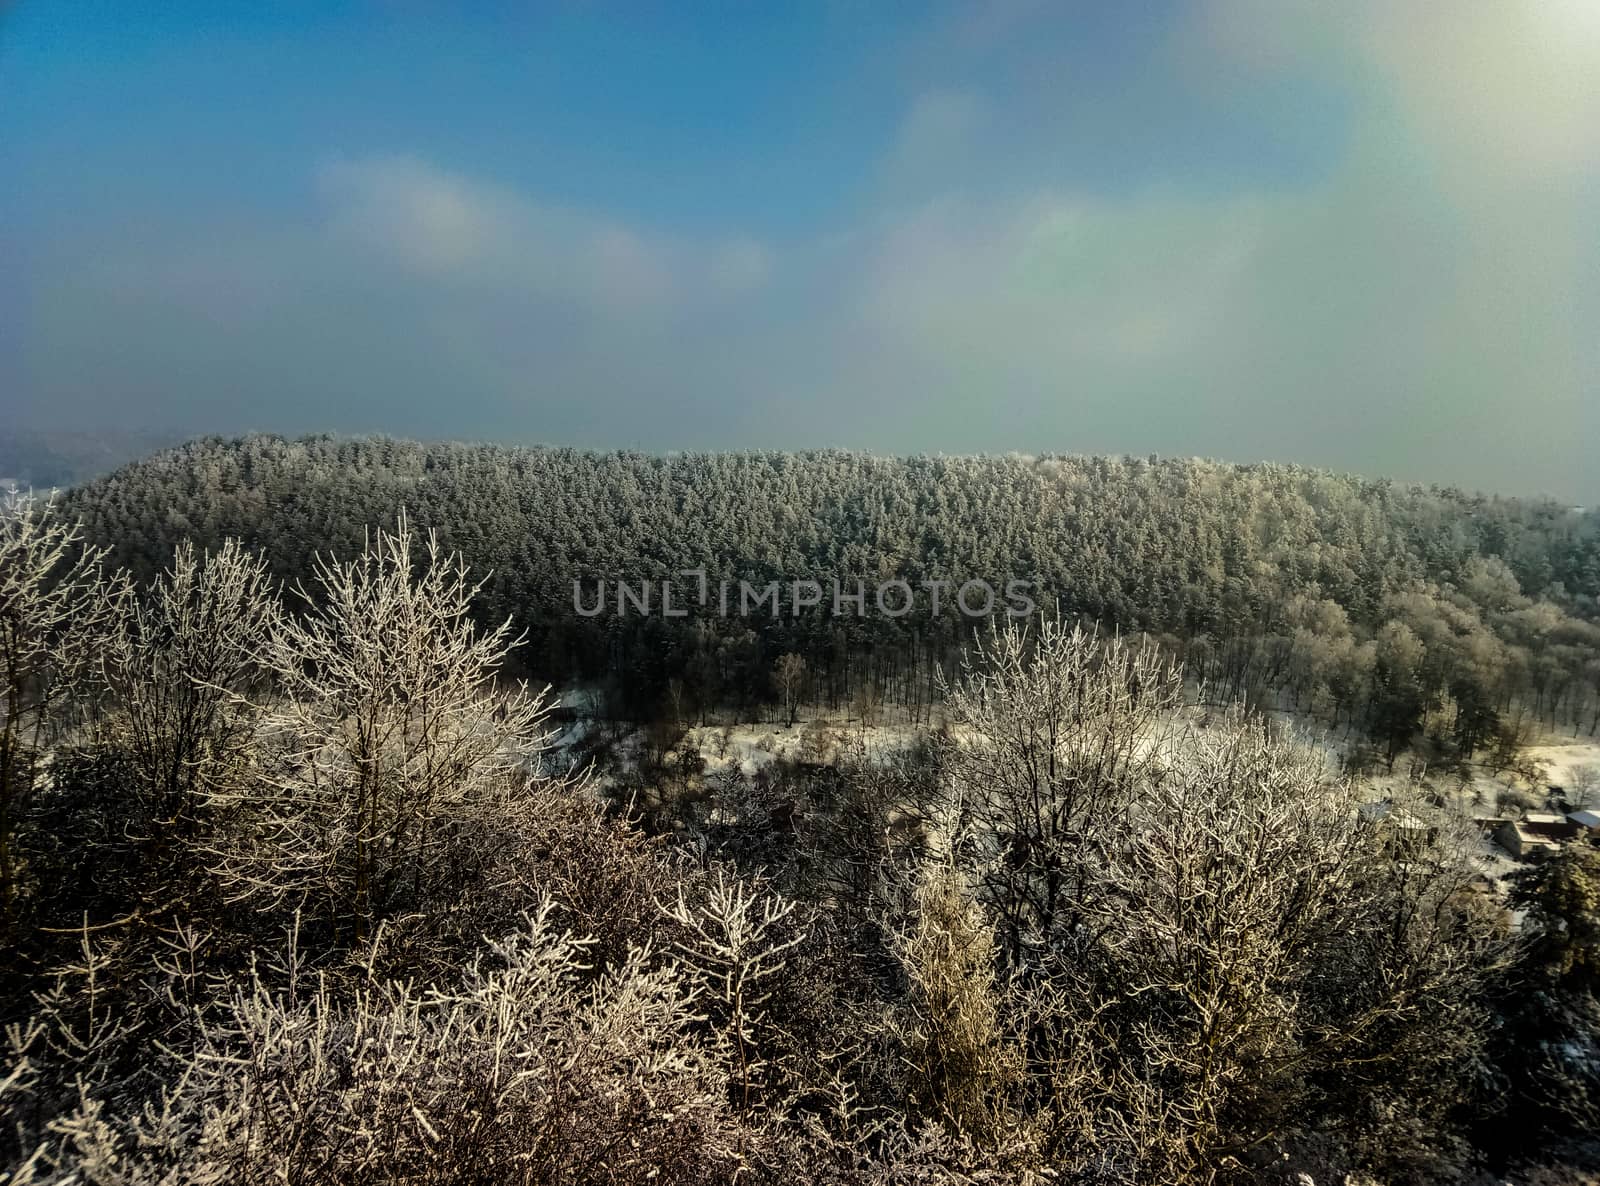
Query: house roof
point(1535, 831)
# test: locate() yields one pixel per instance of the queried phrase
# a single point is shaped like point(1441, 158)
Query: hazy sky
point(1362, 234)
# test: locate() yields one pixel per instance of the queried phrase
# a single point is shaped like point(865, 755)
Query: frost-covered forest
point(677, 717)
point(298, 887)
point(1401, 613)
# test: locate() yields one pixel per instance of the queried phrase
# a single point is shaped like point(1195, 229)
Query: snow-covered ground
point(749, 747)
point(1561, 758)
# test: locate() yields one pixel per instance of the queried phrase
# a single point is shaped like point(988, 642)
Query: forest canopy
point(1396, 608)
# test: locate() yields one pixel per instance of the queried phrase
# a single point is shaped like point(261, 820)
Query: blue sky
point(1360, 236)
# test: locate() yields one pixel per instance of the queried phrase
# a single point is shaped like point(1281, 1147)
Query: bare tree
point(1049, 734)
point(521, 1073)
point(1211, 941)
point(1584, 780)
point(181, 664)
point(868, 703)
point(789, 677)
point(55, 603)
point(390, 741)
point(734, 947)
point(1246, 885)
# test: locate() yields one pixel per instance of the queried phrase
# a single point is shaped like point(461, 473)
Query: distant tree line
point(1403, 613)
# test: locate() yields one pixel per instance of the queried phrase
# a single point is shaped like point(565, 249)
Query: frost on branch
point(55, 604)
point(393, 761)
point(525, 1072)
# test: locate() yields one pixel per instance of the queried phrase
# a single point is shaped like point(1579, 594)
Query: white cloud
point(940, 123)
point(460, 230)
point(1434, 272)
point(1060, 281)
point(1438, 271)
point(623, 270)
point(740, 265)
point(422, 217)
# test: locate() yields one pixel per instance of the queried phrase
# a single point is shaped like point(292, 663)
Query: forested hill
point(1262, 575)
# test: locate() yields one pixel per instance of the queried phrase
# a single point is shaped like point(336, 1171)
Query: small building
point(1536, 835)
point(1585, 819)
point(1550, 823)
